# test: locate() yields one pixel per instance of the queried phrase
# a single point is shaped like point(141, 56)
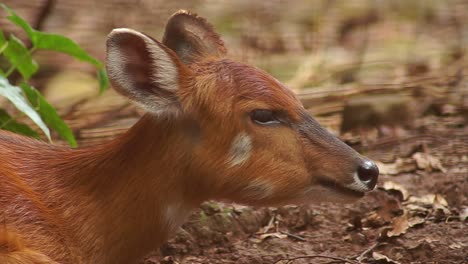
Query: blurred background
point(389, 77)
point(330, 52)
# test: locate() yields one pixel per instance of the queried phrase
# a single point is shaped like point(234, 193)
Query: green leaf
point(19, 57)
point(48, 114)
point(2, 38)
point(48, 41)
point(63, 44)
point(15, 96)
point(9, 123)
point(17, 20)
point(103, 80)
point(3, 42)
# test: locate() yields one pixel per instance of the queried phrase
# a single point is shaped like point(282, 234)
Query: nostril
point(368, 173)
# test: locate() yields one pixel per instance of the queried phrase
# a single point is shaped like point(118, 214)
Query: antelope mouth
point(341, 189)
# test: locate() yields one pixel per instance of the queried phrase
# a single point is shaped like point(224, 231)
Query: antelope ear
point(143, 70)
point(192, 37)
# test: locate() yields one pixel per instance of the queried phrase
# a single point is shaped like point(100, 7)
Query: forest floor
point(417, 214)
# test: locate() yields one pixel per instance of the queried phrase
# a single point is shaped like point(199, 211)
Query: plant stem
point(10, 71)
point(11, 119)
point(13, 67)
point(6, 122)
point(3, 48)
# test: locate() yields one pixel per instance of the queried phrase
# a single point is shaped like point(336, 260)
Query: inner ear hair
point(191, 37)
point(143, 70)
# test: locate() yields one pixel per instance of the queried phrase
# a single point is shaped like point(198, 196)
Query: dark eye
point(264, 117)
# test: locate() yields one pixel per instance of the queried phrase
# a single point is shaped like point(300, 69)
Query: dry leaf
point(429, 199)
point(405, 165)
point(374, 220)
point(427, 162)
point(270, 225)
point(440, 200)
point(430, 240)
point(275, 234)
point(381, 258)
point(457, 245)
point(426, 204)
point(347, 238)
point(414, 221)
point(387, 169)
point(417, 161)
point(389, 209)
point(464, 214)
point(389, 185)
point(417, 208)
point(436, 201)
point(399, 226)
point(399, 166)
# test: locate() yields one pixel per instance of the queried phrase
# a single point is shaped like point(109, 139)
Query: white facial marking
point(241, 149)
point(357, 185)
point(259, 189)
point(165, 73)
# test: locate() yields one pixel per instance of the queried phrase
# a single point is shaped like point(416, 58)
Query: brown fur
point(13, 251)
point(114, 203)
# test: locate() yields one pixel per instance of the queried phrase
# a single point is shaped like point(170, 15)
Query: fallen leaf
point(414, 221)
point(457, 245)
point(374, 220)
point(347, 238)
point(387, 168)
point(427, 162)
point(399, 166)
point(270, 225)
point(434, 204)
point(448, 109)
point(464, 214)
point(389, 209)
point(422, 247)
point(429, 199)
point(429, 240)
point(440, 200)
point(381, 258)
point(399, 226)
point(417, 208)
point(405, 165)
point(275, 234)
point(392, 186)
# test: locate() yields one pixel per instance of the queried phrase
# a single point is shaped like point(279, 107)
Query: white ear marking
point(240, 150)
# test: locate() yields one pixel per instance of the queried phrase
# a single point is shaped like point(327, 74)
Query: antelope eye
point(264, 117)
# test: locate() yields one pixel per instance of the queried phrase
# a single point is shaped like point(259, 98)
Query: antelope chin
point(340, 189)
point(331, 192)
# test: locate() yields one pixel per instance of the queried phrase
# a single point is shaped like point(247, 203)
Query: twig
point(293, 236)
point(291, 260)
point(365, 252)
point(44, 13)
point(269, 225)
